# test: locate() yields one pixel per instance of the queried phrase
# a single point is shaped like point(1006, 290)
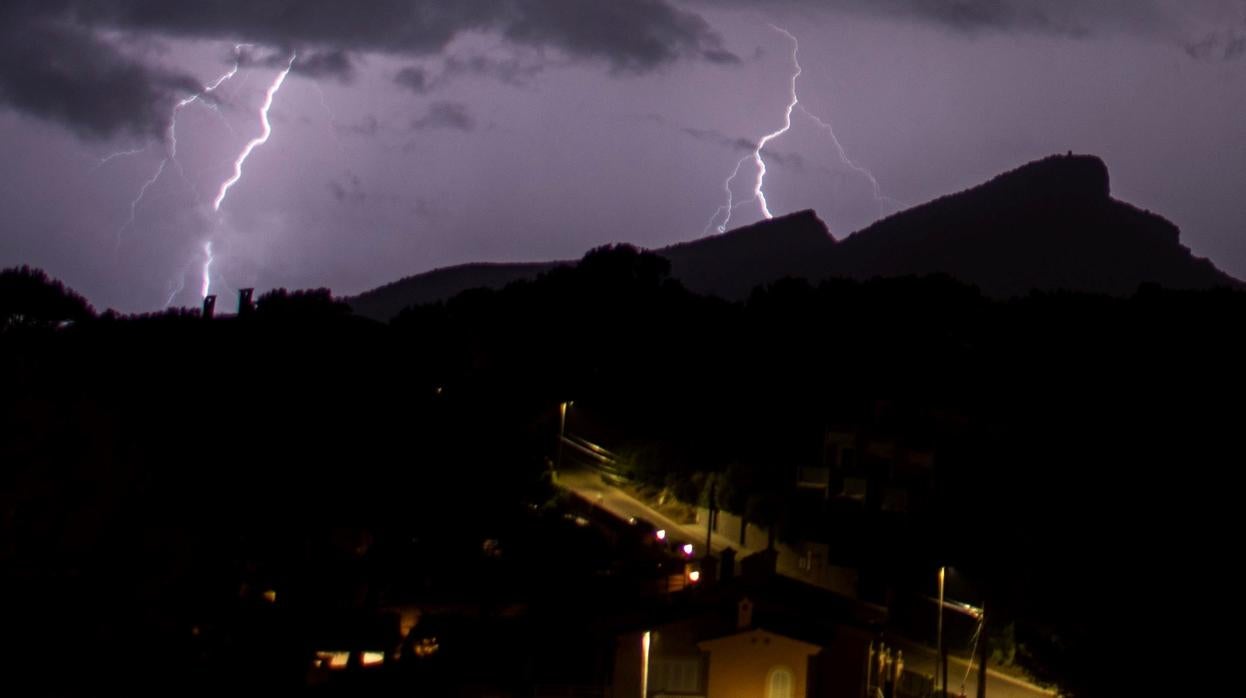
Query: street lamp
point(975, 612)
point(940, 657)
point(562, 429)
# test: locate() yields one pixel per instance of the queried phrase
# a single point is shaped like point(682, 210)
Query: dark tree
point(28, 298)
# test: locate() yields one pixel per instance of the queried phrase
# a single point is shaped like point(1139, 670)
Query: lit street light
point(940, 657)
point(562, 429)
point(974, 612)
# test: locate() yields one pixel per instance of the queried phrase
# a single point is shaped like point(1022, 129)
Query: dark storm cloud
point(451, 115)
point(414, 78)
point(65, 74)
point(349, 190)
point(367, 127)
point(1228, 45)
point(314, 63)
point(513, 71)
point(720, 139)
point(633, 35)
point(54, 64)
point(1076, 17)
point(333, 63)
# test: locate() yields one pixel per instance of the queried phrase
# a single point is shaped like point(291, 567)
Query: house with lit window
point(773, 637)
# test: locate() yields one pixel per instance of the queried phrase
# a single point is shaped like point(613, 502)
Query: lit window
point(676, 675)
point(332, 660)
point(426, 647)
point(780, 684)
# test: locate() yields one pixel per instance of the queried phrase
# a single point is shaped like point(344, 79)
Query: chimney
point(744, 614)
point(209, 307)
point(245, 305)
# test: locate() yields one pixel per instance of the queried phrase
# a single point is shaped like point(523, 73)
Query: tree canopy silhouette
point(29, 298)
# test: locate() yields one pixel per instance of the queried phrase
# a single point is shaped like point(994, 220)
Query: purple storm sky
point(413, 134)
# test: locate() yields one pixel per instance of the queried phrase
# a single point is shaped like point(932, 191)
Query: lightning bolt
point(879, 197)
point(199, 98)
point(142, 192)
point(119, 154)
point(257, 141)
point(181, 286)
point(759, 194)
point(171, 150)
point(333, 126)
point(265, 133)
point(207, 90)
point(208, 258)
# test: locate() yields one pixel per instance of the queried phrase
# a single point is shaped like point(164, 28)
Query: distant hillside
point(384, 302)
point(732, 264)
point(1049, 225)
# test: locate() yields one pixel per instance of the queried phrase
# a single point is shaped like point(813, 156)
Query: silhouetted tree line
point(152, 462)
point(28, 298)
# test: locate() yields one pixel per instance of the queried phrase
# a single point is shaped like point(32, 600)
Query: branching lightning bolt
point(759, 194)
point(879, 197)
point(171, 149)
point(207, 90)
point(257, 141)
point(119, 154)
point(265, 133)
point(333, 126)
point(142, 192)
point(181, 286)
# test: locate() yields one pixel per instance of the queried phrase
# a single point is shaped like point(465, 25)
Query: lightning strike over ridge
point(879, 197)
point(759, 194)
point(259, 140)
point(787, 126)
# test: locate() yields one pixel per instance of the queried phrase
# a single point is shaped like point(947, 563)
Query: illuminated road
point(589, 485)
point(998, 685)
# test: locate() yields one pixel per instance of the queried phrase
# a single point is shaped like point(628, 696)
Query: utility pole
point(711, 517)
point(562, 429)
point(982, 655)
point(940, 650)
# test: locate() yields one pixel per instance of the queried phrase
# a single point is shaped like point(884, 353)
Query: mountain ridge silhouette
point(1049, 225)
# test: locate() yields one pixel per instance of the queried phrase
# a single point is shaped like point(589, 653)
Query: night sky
point(413, 134)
